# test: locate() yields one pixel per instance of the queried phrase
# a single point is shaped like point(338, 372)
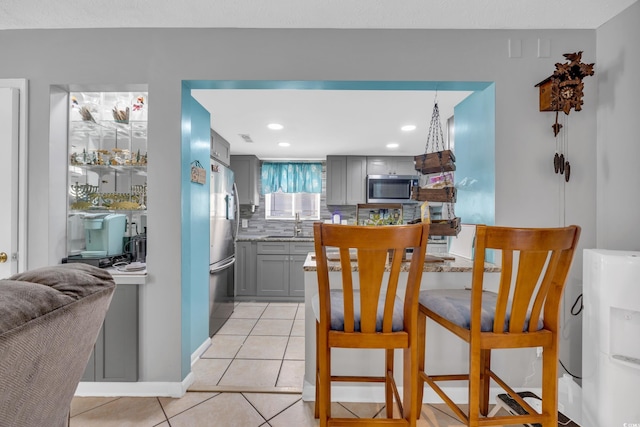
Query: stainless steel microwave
point(390, 188)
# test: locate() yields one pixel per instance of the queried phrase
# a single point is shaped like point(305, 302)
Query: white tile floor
point(251, 376)
point(198, 409)
point(259, 349)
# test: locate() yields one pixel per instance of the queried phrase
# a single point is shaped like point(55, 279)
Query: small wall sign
point(198, 173)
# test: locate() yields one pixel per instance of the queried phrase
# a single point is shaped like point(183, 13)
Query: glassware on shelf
point(107, 158)
point(120, 113)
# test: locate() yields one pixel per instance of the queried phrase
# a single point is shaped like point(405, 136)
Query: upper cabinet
point(390, 165)
point(246, 170)
point(220, 148)
point(346, 180)
point(347, 175)
point(107, 171)
point(356, 180)
point(336, 180)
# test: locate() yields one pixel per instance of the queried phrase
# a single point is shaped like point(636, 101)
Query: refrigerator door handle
point(223, 266)
point(237, 210)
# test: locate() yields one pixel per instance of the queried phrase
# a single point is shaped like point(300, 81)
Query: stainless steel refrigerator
point(222, 254)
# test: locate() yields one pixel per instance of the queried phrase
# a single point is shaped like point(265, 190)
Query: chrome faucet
point(297, 226)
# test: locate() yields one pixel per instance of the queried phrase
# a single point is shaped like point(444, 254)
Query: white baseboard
point(372, 393)
point(142, 388)
point(135, 389)
point(200, 351)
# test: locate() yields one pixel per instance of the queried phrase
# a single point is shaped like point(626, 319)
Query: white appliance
point(611, 338)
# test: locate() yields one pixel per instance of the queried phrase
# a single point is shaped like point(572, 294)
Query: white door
point(9, 116)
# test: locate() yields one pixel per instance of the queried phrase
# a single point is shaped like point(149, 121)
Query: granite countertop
point(305, 238)
point(274, 238)
point(455, 265)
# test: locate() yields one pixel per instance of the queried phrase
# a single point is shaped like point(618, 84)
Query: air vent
point(246, 137)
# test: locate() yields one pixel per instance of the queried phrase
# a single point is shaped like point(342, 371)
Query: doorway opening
point(475, 134)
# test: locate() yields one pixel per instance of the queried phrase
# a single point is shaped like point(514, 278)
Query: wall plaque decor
point(198, 173)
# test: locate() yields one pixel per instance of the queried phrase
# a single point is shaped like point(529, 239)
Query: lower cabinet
point(279, 273)
point(273, 275)
point(115, 355)
point(296, 274)
point(245, 274)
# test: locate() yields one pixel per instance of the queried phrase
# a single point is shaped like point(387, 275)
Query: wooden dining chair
point(523, 313)
point(372, 304)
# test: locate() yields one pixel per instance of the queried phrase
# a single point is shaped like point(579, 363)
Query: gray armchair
point(49, 322)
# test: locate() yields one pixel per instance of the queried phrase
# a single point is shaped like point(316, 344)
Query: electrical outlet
point(245, 223)
point(538, 352)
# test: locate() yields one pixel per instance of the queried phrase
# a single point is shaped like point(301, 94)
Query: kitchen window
point(284, 206)
point(290, 188)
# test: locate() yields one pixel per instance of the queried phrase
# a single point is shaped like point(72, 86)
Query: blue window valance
point(291, 177)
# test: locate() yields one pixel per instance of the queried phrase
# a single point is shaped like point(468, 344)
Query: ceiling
point(417, 14)
point(321, 122)
point(326, 122)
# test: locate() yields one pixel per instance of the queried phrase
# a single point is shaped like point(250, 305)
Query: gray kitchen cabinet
point(273, 275)
point(391, 165)
point(298, 252)
point(272, 269)
point(115, 354)
point(346, 180)
point(246, 170)
point(356, 180)
point(296, 275)
point(279, 269)
point(245, 274)
point(220, 148)
point(336, 179)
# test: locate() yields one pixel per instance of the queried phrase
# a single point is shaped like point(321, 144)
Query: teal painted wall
point(475, 176)
point(195, 228)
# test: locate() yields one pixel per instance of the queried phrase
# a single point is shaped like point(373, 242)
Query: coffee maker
point(103, 235)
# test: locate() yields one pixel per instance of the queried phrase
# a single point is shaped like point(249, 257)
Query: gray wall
point(528, 193)
point(618, 141)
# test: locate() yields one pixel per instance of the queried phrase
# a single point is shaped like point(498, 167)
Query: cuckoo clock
point(562, 91)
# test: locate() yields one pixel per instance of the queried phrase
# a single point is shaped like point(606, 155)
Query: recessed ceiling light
point(393, 145)
point(283, 144)
point(408, 128)
point(275, 126)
